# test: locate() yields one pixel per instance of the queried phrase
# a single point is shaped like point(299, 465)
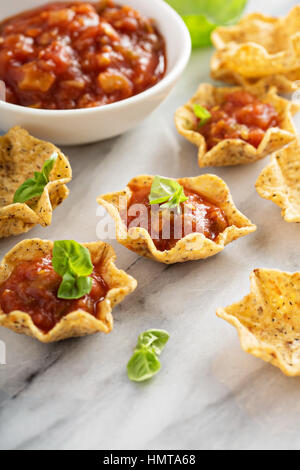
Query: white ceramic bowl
point(81, 126)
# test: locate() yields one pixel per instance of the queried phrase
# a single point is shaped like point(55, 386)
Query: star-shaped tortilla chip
point(279, 181)
point(77, 323)
point(236, 151)
point(268, 319)
point(194, 246)
point(20, 156)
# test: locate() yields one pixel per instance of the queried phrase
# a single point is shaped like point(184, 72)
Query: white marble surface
point(209, 394)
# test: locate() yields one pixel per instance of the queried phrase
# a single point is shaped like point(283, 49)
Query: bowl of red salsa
point(78, 71)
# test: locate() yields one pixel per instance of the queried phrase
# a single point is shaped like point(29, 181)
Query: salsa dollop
point(166, 228)
point(241, 116)
point(71, 55)
point(32, 288)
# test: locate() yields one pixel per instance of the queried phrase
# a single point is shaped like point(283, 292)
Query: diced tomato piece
point(35, 79)
point(111, 82)
point(255, 137)
point(258, 114)
point(58, 17)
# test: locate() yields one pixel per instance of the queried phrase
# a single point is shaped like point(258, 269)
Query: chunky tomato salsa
point(32, 288)
point(196, 215)
point(79, 55)
point(241, 116)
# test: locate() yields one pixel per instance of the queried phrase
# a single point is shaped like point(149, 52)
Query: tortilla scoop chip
point(260, 46)
point(268, 319)
point(20, 156)
point(194, 246)
point(77, 323)
point(287, 82)
point(236, 151)
point(279, 182)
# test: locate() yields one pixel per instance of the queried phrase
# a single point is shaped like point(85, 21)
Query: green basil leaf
point(70, 256)
point(143, 365)
point(162, 189)
point(154, 340)
point(73, 287)
point(39, 178)
point(203, 16)
point(28, 190)
point(201, 113)
point(175, 201)
point(73, 262)
point(34, 187)
point(48, 166)
point(168, 191)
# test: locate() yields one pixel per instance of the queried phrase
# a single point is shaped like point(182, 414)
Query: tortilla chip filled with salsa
point(233, 126)
point(53, 291)
point(259, 48)
point(33, 178)
point(268, 319)
point(174, 221)
point(279, 181)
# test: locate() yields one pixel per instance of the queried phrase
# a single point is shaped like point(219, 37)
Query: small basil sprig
point(167, 192)
point(73, 263)
point(202, 114)
point(35, 186)
point(144, 363)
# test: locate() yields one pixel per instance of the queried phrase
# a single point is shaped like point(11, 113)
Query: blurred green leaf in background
point(203, 16)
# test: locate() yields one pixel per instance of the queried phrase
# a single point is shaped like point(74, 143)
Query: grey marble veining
point(209, 394)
